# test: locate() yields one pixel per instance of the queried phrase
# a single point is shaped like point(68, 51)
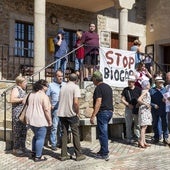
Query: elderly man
point(158, 110)
point(68, 111)
point(129, 98)
point(103, 110)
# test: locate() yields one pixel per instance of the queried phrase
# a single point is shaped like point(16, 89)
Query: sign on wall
point(116, 65)
point(105, 39)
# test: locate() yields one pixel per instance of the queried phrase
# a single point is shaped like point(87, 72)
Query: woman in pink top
point(38, 116)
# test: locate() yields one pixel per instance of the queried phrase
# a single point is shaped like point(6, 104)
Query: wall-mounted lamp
point(151, 28)
point(53, 19)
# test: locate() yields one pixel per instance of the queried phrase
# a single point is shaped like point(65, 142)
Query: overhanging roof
point(87, 5)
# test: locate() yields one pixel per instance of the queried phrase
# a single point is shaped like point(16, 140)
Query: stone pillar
point(39, 35)
point(123, 21)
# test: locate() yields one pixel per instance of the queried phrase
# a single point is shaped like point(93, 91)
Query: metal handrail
point(29, 78)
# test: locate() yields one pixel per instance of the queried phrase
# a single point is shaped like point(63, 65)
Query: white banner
point(116, 65)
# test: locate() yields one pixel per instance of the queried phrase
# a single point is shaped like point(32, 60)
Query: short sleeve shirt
point(104, 91)
point(131, 95)
point(66, 99)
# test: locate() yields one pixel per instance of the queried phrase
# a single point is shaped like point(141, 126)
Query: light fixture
point(53, 19)
point(151, 28)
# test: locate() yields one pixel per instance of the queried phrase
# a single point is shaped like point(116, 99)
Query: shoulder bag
point(22, 115)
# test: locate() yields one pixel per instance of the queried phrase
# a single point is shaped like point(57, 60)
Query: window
point(24, 39)
point(115, 40)
point(131, 39)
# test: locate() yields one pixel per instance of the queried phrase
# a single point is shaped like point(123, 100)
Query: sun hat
point(131, 78)
point(159, 79)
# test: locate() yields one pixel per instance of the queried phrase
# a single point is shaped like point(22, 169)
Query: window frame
point(24, 39)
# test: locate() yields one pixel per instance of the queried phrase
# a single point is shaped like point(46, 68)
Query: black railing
point(26, 69)
point(30, 79)
point(12, 61)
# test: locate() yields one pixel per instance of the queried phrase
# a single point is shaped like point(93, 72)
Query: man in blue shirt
point(53, 93)
point(158, 110)
point(61, 49)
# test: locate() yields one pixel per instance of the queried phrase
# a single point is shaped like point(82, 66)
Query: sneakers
point(80, 158)
point(54, 148)
point(64, 158)
point(39, 159)
point(105, 157)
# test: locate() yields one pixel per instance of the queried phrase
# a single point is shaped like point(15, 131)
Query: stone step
point(8, 134)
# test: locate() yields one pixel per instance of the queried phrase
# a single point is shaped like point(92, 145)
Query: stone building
point(27, 28)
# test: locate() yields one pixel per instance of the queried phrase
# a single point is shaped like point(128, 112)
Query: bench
point(88, 131)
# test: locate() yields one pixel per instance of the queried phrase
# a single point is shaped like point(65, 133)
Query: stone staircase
point(86, 109)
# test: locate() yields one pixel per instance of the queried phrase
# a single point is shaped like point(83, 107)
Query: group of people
point(44, 110)
point(56, 105)
point(146, 105)
point(86, 55)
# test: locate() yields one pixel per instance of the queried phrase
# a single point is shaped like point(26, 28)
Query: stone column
point(123, 21)
point(39, 35)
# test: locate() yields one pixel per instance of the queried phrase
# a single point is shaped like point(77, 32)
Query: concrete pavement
point(122, 157)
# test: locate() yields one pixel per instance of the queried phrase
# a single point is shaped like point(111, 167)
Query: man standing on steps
point(53, 93)
point(91, 41)
point(103, 110)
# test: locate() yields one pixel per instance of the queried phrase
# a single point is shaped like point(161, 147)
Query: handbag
point(22, 115)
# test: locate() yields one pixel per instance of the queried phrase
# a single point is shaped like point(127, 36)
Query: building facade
point(27, 28)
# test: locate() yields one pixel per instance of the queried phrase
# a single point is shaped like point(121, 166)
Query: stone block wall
point(86, 101)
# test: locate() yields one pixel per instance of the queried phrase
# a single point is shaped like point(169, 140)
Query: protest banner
point(116, 65)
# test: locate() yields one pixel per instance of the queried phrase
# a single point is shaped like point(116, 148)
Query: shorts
point(91, 59)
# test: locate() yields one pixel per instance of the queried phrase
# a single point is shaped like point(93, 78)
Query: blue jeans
point(38, 139)
point(78, 64)
point(103, 117)
point(54, 128)
point(60, 64)
point(157, 115)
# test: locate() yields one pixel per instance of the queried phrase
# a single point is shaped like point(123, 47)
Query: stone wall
point(66, 16)
point(86, 101)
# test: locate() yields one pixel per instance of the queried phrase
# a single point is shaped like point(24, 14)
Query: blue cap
point(61, 32)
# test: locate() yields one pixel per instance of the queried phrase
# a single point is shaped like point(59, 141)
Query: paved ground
point(122, 157)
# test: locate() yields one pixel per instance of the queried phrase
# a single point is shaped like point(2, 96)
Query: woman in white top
point(38, 116)
point(141, 74)
point(145, 116)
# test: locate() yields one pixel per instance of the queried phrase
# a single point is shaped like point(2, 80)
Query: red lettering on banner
point(109, 58)
point(125, 61)
point(112, 57)
point(118, 58)
point(131, 61)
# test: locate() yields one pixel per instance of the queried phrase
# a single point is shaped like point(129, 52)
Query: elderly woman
point(38, 116)
point(145, 116)
point(19, 129)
